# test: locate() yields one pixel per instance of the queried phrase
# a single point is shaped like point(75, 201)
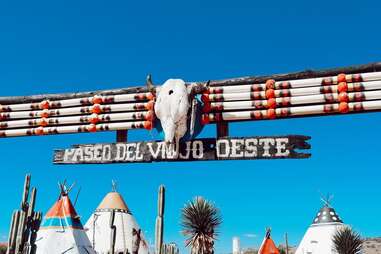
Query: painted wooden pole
point(96, 99)
point(288, 112)
point(307, 74)
point(300, 83)
point(76, 129)
point(159, 232)
point(96, 108)
point(292, 101)
point(279, 93)
point(70, 120)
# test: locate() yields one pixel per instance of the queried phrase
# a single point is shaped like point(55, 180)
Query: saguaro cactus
point(13, 232)
point(25, 223)
point(20, 239)
point(35, 226)
point(170, 248)
point(160, 221)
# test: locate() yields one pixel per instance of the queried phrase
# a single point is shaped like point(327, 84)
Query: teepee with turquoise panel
point(61, 231)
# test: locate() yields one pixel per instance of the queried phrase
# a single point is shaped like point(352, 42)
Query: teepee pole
point(113, 232)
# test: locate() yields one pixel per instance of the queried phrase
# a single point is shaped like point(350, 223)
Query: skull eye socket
point(170, 92)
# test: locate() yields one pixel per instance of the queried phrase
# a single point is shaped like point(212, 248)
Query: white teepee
point(129, 236)
point(318, 238)
point(61, 231)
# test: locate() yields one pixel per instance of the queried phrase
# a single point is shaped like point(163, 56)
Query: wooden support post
point(121, 136)
point(222, 129)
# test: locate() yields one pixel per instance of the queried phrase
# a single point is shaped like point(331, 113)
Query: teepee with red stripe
point(268, 245)
point(61, 230)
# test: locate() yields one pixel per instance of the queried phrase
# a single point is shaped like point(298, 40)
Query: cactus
point(170, 248)
point(159, 236)
point(25, 223)
point(35, 226)
point(24, 201)
point(113, 232)
point(13, 232)
point(20, 240)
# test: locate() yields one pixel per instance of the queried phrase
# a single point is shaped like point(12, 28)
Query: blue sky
point(66, 46)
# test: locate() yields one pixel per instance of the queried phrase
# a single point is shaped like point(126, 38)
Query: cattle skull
point(172, 106)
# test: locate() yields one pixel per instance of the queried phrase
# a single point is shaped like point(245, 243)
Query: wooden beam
point(199, 86)
point(121, 136)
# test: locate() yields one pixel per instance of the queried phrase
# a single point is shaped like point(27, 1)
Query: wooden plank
point(247, 148)
point(222, 129)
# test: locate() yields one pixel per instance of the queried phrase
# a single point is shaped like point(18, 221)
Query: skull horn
point(149, 84)
point(199, 88)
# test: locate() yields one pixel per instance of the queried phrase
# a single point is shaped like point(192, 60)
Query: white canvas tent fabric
point(128, 233)
point(62, 232)
point(318, 238)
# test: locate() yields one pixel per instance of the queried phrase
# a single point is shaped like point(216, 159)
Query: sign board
point(248, 148)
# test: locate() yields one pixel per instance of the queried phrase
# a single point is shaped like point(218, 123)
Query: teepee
point(318, 238)
point(128, 236)
point(268, 245)
point(61, 231)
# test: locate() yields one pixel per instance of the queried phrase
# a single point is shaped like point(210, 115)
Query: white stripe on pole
point(80, 102)
point(297, 111)
point(116, 117)
point(110, 108)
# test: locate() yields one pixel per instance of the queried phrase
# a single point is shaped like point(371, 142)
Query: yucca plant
point(347, 241)
point(200, 221)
